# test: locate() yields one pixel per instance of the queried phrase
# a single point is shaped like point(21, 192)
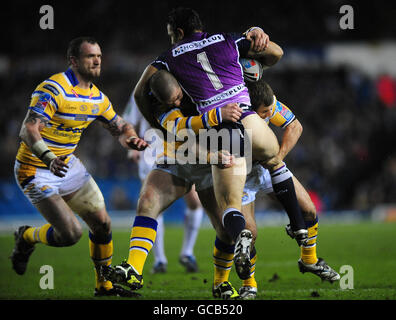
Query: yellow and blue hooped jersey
point(69, 110)
point(281, 115)
point(175, 122)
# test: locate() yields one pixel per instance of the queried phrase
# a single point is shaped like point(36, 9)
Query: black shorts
point(229, 136)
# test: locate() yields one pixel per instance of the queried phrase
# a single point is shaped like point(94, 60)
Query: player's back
point(207, 67)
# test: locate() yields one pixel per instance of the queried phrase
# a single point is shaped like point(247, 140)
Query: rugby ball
point(252, 69)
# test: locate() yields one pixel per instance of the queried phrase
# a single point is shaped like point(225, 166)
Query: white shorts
point(40, 183)
point(144, 168)
point(259, 179)
point(198, 174)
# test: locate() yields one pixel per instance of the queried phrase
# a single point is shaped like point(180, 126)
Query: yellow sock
point(142, 240)
point(38, 234)
point(308, 252)
point(223, 256)
point(251, 281)
point(101, 253)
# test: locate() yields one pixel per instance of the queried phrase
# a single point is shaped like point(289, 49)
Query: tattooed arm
point(31, 127)
point(30, 134)
point(126, 134)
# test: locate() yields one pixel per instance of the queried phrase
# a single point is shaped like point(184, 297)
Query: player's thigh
point(55, 210)
point(159, 191)
point(304, 200)
point(41, 188)
point(264, 142)
point(89, 204)
point(192, 199)
point(228, 184)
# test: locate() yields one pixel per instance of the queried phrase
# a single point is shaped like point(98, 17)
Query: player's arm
point(291, 135)
point(142, 98)
point(33, 123)
point(175, 122)
point(268, 57)
point(261, 48)
point(284, 118)
point(125, 133)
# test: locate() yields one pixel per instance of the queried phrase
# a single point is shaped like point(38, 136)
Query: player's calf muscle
point(67, 229)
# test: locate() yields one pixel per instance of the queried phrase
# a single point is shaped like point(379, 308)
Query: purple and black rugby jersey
point(208, 69)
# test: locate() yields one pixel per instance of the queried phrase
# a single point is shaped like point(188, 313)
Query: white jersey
point(259, 179)
point(133, 115)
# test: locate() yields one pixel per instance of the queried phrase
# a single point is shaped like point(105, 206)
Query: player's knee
point(147, 204)
point(70, 236)
point(102, 226)
point(88, 199)
point(272, 163)
point(310, 213)
point(193, 204)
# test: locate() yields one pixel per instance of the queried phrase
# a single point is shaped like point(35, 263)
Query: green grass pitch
point(369, 248)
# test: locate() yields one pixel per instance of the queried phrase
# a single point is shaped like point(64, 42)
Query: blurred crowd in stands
point(346, 156)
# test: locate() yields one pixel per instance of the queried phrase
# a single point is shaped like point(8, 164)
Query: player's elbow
point(275, 53)
point(298, 127)
point(138, 95)
point(27, 131)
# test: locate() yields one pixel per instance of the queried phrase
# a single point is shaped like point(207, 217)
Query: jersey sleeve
point(242, 43)
point(45, 100)
point(174, 121)
point(108, 113)
point(160, 63)
point(132, 113)
point(282, 115)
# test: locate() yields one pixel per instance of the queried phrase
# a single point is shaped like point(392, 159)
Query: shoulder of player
point(50, 85)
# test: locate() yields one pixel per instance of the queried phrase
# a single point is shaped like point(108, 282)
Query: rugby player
point(52, 178)
point(193, 213)
point(259, 179)
point(208, 69)
point(270, 109)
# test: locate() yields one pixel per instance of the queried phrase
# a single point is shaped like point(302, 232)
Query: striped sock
point(223, 255)
point(283, 185)
point(251, 281)
point(143, 235)
point(233, 222)
point(101, 253)
point(43, 234)
point(308, 252)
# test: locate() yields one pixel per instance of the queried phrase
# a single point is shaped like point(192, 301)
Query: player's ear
point(73, 61)
point(179, 34)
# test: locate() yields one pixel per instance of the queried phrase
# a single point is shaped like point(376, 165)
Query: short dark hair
point(186, 19)
point(260, 93)
point(73, 50)
point(162, 84)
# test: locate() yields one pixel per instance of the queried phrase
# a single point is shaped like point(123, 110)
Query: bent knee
point(69, 236)
point(147, 205)
point(102, 226)
point(272, 163)
point(309, 215)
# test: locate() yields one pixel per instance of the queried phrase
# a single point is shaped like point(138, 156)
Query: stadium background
point(340, 84)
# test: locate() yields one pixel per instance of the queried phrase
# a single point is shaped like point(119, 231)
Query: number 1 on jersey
point(202, 58)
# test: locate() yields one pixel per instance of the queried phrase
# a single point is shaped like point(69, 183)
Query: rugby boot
point(225, 291)
point(123, 274)
point(242, 254)
point(22, 250)
point(321, 269)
